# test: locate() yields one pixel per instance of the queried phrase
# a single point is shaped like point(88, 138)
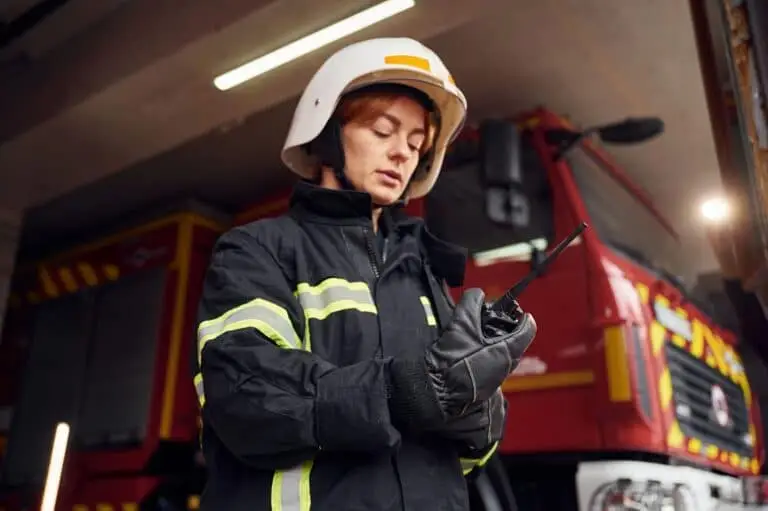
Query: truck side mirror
point(502, 174)
point(632, 130)
point(500, 161)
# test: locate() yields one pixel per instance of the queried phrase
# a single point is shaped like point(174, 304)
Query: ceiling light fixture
point(311, 42)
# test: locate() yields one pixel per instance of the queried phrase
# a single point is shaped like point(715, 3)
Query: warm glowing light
point(715, 210)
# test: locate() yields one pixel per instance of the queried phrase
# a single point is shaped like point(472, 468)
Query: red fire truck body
point(626, 381)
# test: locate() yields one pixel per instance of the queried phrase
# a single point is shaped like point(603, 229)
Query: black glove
point(480, 428)
point(465, 365)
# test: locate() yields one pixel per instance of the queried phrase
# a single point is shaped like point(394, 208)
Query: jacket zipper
point(372, 260)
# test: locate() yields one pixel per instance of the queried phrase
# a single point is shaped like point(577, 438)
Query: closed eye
point(416, 143)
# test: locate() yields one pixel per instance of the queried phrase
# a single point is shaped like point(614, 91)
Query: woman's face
point(381, 153)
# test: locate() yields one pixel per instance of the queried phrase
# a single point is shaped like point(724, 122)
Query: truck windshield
point(621, 221)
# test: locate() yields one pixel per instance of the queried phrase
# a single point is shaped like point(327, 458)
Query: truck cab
point(632, 390)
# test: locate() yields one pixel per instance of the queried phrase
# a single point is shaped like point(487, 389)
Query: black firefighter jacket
point(299, 319)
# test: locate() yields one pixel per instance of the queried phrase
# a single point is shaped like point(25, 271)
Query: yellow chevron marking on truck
point(68, 279)
point(675, 436)
point(643, 293)
point(87, 273)
point(55, 281)
point(111, 271)
point(658, 336)
point(665, 389)
point(49, 286)
point(704, 344)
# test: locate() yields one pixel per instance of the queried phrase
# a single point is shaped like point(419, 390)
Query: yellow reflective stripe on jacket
point(198, 380)
point(469, 464)
point(430, 316)
point(266, 317)
point(334, 295)
point(290, 489)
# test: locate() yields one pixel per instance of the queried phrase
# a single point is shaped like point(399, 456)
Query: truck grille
point(699, 403)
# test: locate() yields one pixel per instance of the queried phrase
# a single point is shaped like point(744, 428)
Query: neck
point(375, 216)
point(328, 180)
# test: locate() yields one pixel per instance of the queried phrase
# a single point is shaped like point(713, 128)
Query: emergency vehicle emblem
point(720, 406)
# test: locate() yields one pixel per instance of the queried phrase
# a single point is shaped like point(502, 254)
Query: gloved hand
point(465, 365)
point(481, 427)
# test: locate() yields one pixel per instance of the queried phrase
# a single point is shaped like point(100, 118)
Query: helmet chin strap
point(330, 151)
point(345, 184)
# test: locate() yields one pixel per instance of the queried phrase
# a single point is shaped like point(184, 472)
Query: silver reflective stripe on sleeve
point(428, 311)
point(266, 317)
point(290, 489)
point(334, 295)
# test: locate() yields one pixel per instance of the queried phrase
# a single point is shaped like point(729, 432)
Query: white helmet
point(384, 60)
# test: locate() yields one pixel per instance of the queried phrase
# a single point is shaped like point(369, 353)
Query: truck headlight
point(755, 490)
point(626, 495)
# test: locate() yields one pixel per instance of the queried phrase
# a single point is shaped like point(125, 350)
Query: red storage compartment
point(110, 329)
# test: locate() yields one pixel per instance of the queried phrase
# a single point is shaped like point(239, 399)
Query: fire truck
point(633, 395)
point(105, 329)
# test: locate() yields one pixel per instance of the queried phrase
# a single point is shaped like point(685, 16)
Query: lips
point(391, 174)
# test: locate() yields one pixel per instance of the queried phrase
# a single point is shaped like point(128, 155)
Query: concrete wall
point(10, 224)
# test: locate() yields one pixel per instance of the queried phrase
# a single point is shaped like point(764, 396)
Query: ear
point(327, 147)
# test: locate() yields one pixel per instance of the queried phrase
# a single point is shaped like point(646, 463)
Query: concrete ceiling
point(118, 112)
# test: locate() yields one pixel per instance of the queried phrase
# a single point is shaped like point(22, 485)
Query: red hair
point(367, 105)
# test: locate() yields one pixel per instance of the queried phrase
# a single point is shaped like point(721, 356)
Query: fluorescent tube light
point(311, 42)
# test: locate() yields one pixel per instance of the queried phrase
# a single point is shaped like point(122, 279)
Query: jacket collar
point(345, 207)
point(348, 207)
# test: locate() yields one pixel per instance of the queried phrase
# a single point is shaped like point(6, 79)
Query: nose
point(399, 150)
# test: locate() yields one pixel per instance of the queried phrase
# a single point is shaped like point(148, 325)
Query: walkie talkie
point(498, 313)
point(504, 303)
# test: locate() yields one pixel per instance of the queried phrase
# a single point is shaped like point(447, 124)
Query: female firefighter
point(333, 367)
